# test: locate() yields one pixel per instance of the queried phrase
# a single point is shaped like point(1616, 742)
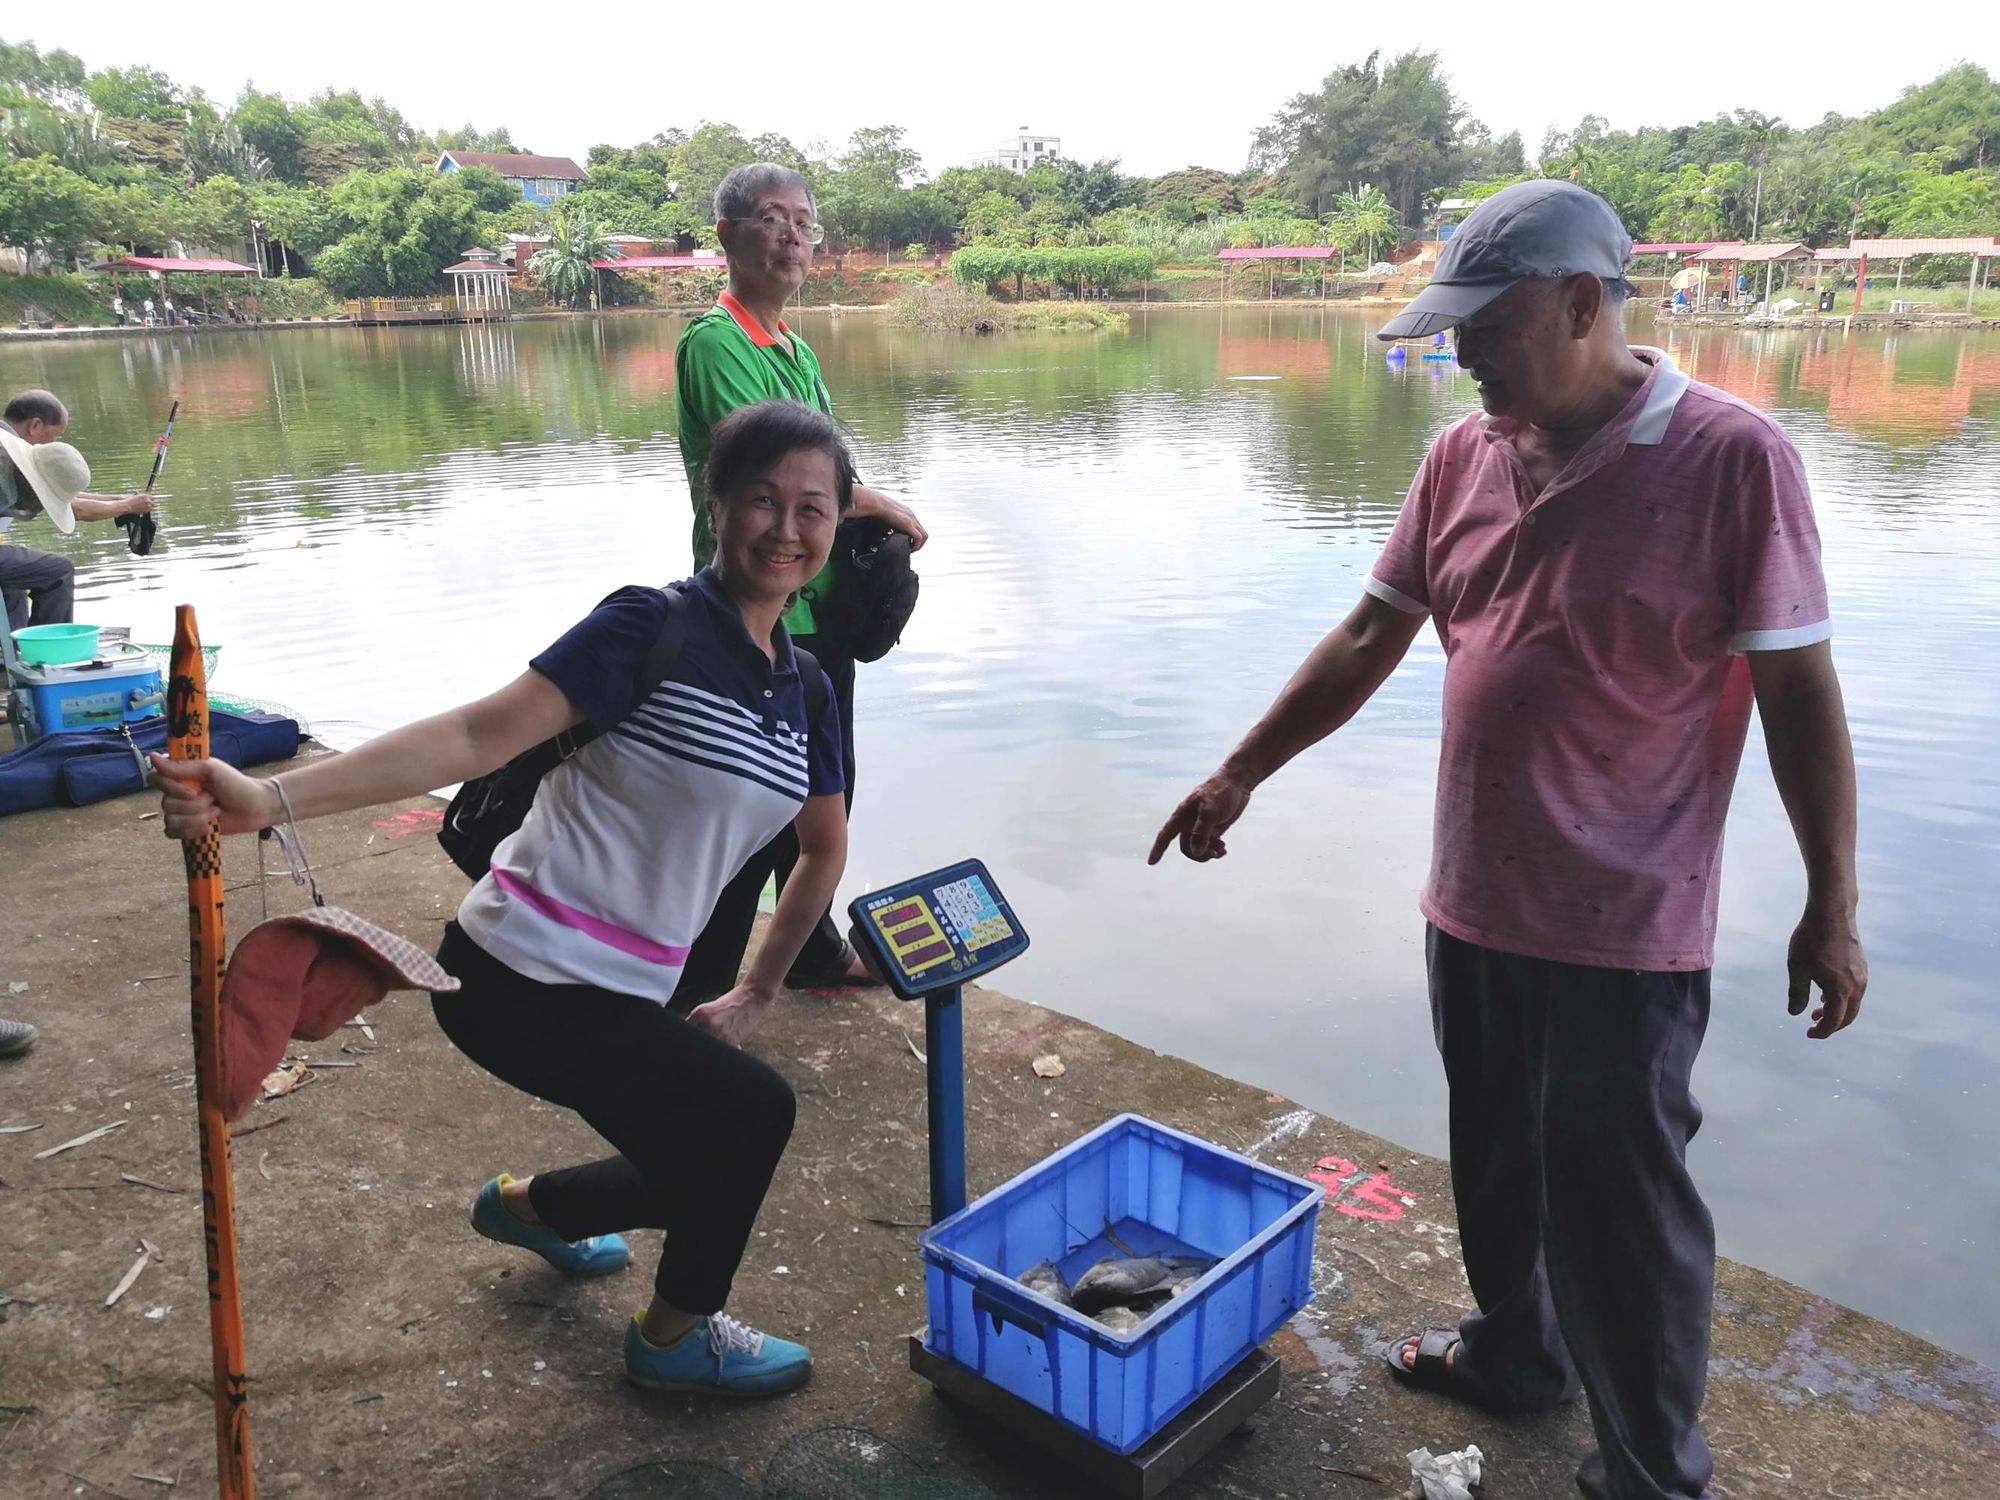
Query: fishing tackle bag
point(874, 592)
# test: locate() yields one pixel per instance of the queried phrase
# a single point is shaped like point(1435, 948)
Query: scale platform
point(1146, 1471)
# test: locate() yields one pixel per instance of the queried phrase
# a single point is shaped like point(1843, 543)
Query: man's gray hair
point(737, 195)
point(36, 406)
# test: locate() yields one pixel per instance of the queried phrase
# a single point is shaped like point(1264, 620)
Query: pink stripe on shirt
point(608, 933)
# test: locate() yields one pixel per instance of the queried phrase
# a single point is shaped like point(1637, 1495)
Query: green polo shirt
point(724, 360)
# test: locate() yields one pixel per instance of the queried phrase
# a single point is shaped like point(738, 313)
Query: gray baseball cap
point(1540, 228)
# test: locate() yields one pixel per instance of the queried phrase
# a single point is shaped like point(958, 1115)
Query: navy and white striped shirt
point(618, 864)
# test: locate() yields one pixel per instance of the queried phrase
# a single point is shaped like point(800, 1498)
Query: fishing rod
point(140, 530)
point(187, 739)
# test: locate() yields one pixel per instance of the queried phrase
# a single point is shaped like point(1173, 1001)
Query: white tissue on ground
point(1446, 1476)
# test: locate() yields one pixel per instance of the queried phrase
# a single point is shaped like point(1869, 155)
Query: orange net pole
point(187, 739)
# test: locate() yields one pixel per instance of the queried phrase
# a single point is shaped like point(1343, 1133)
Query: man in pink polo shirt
point(1618, 562)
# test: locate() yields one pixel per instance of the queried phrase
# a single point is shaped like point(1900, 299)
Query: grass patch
point(1066, 317)
point(1941, 299)
point(947, 307)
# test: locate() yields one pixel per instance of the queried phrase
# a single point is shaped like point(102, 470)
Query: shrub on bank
point(83, 299)
point(75, 298)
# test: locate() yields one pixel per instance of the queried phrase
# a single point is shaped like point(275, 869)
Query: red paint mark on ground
point(417, 820)
point(1023, 1041)
point(1360, 1194)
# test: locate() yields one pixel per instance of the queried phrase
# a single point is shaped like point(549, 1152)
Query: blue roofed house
point(542, 179)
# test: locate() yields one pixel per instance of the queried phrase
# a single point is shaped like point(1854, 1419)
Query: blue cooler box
point(121, 686)
point(1162, 1193)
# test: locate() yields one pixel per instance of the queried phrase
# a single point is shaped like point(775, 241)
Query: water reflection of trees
point(1336, 436)
point(1334, 439)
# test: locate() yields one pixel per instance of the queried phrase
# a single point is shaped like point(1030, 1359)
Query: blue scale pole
point(944, 1077)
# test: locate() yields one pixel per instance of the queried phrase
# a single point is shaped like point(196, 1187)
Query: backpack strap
point(666, 650)
point(661, 659)
point(813, 678)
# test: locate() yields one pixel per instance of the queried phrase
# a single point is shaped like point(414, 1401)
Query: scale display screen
point(940, 929)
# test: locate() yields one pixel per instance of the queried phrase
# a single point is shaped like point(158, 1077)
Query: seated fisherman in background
point(40, 475)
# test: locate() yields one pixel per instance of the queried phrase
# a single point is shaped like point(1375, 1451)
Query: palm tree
point(1366, 215)
point(566, 266)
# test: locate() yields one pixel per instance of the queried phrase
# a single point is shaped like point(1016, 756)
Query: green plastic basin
point(56, 645)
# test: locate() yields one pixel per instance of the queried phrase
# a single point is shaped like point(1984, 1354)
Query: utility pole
point(1757, 206)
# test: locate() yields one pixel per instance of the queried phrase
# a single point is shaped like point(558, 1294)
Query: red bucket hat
point(304, 976)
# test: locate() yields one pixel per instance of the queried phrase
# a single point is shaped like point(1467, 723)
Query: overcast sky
point(1160, 87)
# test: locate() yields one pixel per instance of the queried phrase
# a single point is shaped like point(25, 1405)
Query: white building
point(1024, 151)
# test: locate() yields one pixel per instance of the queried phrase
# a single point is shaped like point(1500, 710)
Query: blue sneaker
point(599, 1255)
point(720, 1355)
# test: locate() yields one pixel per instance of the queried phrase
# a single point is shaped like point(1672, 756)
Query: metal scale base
point(1139, 1475)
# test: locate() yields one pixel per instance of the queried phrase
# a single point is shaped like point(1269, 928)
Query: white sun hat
point(56, 471)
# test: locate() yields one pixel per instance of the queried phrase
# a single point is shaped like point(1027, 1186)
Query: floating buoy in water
point(1395, 355)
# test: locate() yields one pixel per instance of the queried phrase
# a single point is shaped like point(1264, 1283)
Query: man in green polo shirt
point(739, 352)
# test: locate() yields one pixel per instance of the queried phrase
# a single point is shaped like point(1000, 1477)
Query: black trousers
point(39, 587)
point(698, 1125)
point(716, 956)
point(1589, 1252)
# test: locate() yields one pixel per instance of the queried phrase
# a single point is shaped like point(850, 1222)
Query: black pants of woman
point(698, 1125)
point(717, 955)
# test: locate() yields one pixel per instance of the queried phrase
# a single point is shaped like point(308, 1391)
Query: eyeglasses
point(776, 224)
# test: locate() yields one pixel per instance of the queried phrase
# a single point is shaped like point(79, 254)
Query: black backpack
point(874, 590)
point(489, 808)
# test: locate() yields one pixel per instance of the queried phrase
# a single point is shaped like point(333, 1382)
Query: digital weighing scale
point(928, 937)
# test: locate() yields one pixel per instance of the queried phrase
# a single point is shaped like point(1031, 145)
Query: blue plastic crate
point(1160, 1192)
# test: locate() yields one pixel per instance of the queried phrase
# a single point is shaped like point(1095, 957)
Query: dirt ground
point(392, 1352)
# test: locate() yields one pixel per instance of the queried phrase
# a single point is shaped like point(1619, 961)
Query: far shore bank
point(1804, 321)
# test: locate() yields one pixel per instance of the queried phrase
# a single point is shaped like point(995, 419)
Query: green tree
point(880, 153)
point(566, 265)
point(709, 152)
point(490, 191)
point(300, 220)
point(342, 123)
point(219, 150)
point(137, 93)
point(48, 210)
point(1955, 118)
point(1364, 219)
point(471, 138)
point(398, 230)
point(1397, 126)
point(268, 125)
point(77, 139)
point(53, 78)
point(1192, 194)
point(996, 216)
point(216, 214)
point(1949, 204)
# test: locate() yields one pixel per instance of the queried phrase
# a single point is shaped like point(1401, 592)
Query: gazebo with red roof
point(156, 266)
point(479, 287)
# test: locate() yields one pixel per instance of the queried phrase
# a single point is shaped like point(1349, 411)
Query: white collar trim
point(1668, 387)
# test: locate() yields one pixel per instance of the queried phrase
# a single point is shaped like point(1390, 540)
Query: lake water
point(1135, 538)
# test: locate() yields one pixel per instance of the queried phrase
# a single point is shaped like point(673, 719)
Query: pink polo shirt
point(1595, 692)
